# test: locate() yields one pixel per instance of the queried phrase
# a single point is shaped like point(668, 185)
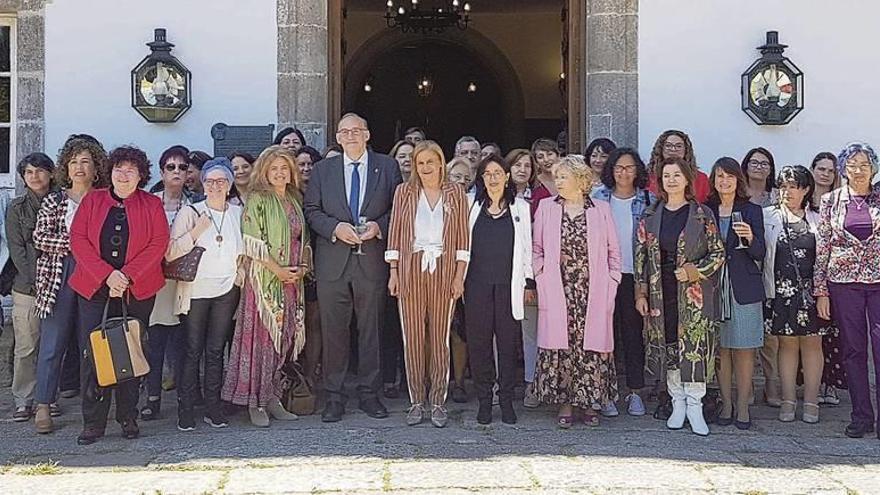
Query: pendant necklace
point(859, 201)
point(219, 229)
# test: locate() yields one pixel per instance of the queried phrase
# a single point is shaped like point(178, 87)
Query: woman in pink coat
point(577, 269)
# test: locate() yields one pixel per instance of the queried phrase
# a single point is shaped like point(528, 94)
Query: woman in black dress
point(790, 231)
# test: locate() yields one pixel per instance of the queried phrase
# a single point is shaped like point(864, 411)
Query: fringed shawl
point(266, 235)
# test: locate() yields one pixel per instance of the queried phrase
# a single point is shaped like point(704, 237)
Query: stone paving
point(365, 456)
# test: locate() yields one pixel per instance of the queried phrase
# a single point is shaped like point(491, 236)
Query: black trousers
point(208, 326)
point(353, 290)
point(95, 399)
point(70, 366)
point(628, 325)
point(489, 318)
point(392, 344)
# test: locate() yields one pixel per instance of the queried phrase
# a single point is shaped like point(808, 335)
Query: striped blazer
point(401, 233)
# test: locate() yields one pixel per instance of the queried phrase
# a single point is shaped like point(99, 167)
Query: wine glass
point(361, 229)
point(736, 217)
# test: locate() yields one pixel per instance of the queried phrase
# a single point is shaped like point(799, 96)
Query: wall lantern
point(160, 84)
point(773, 87)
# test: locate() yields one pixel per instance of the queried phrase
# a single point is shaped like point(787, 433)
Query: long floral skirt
point(253, 376)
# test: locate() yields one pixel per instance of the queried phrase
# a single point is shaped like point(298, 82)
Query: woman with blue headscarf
point(847, 275)
point(211, 299)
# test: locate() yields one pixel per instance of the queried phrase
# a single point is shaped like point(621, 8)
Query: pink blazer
point(604, 254)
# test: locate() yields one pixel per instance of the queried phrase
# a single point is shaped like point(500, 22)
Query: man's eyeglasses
point(357, 131)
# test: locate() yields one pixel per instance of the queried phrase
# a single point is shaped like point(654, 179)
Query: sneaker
point(185, 420)
point(531, 397)
point(830, 396)
point(216, 419)
point(415, 415)
point(21, 414)
point(54, 410)
point(609, 410)
point(634, 405)
point(439, 416)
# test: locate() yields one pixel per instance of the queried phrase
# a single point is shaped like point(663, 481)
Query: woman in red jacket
point(118, 239)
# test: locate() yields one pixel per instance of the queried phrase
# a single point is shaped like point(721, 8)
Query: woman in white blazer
point(496, 284)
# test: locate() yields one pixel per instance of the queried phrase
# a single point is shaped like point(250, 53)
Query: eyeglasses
point(215, 182)
point(625, 170)
point(858, 167)
point(183, 167)
point(493, 175)
point(759, 163)
point(357, 131)
point(673, 146)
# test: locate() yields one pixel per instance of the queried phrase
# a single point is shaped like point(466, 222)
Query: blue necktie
point(354, 196)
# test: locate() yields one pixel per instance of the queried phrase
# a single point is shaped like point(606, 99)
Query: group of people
point(403, 272)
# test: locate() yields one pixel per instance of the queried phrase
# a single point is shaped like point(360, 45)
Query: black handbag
point(7, 278)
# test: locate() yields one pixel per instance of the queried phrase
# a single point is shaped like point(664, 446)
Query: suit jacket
point(604, 263)
point(326, 205)
point(744, 265)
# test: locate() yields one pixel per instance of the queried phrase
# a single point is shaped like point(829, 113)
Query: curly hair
point(641, 180)
point(260, 175)
point(136, 157)
point(581, 172)
point(655, 164)
point(75, 146)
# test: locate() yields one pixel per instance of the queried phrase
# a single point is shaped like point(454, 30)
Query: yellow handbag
point(117, 348)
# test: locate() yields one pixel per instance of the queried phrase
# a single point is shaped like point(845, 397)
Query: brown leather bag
point(298, 396)
point(184, 269)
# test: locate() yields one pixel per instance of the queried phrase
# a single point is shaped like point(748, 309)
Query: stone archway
point(474, 43)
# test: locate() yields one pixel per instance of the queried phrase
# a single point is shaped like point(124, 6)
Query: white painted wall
point(92, 45)
point(692, 53)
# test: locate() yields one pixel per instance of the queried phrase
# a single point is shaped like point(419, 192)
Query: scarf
point(266, 235)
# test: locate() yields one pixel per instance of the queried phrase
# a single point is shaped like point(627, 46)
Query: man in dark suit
point(344, 191)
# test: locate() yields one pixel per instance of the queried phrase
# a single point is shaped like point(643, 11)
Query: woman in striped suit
point(428, 253)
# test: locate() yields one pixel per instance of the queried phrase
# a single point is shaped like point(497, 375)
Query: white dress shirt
point(428, 232)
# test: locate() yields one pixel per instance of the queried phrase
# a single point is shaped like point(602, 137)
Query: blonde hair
point(260, 175)
point(577, 166)
point(426, 146)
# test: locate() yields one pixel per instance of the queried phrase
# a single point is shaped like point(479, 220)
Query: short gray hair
point(466, 139)
point(353, 116)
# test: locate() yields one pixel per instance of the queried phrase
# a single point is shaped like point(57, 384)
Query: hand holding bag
point(117, 348)
point(184, 269)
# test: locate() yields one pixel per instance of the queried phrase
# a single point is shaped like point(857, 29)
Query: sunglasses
point(183, 167)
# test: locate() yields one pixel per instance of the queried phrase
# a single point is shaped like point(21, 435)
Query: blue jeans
point(160, 338)
point(59, 336)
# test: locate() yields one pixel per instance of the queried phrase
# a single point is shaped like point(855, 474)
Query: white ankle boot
point(695, 392)
point(679, 403)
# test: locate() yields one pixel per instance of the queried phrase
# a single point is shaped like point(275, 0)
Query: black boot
point(508, 415)
point(484, 413)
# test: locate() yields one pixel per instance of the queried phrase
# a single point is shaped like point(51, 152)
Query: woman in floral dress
point(790, 231)
point(577, 266)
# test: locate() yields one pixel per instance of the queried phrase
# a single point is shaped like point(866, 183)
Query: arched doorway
point(393, 64)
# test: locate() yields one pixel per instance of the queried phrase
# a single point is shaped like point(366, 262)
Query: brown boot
point(43, 419)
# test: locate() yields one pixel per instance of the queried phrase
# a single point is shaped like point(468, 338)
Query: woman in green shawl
point(270, 329)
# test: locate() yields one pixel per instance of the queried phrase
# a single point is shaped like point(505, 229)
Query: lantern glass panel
point(771, 86)
point(162, 85)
